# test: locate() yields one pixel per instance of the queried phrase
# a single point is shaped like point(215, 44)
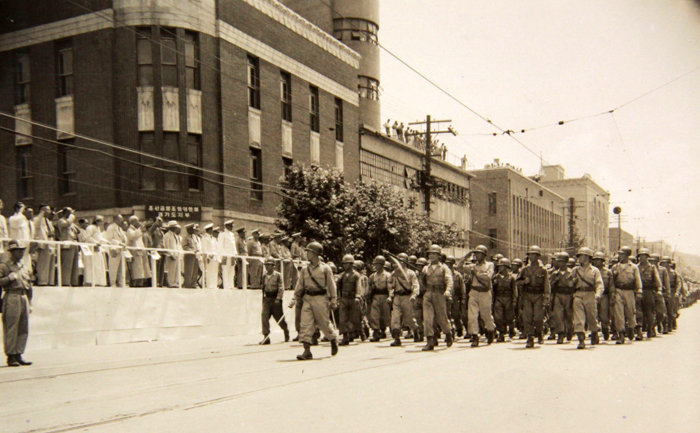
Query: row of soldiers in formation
point(478, 297)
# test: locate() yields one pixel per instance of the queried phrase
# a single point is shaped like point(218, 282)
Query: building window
point(168, 57)
point(23, 79)
point(171, 151)
point(194, 157)
point(339, 164)
point(493, 207)
point(147, 144)
point(66, 168)
point(191, 61)
point(493, 239)
point(144, 53)
point(254, 82)
point(286, 95)
point(368, 88)
point(287, 162)
point(256, 174)
point(25, 178)
point(65, 72)
point(338, 119)
point(314, 109)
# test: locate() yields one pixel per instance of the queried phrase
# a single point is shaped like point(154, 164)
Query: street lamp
point(617, 210)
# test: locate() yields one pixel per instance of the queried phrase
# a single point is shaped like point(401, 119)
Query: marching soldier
point(316, 287)
point(660, 297)
point(589, 289)
point(505, 298)
point(403, 293)
point(606, 302)
point(455, 307)
point(380, 311)
point(628, 289)
point(479, 277)
point(515, 266)
point(273, 291)
point(359, 266)
point(350, 288)
point(651, 285)
point(674, 283)
point(437, 279)
point(15, 282)
point(533, 284)
point(563, 286)
point(418, 305)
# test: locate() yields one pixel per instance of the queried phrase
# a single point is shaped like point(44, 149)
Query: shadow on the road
point(525, 348)
point(308, 360)
point(441, 349)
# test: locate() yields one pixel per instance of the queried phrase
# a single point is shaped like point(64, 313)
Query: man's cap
point(209, 226)
point(228, 223)
point(255, 232)
point(173, 224)
point(240, 230)
point(190, 226)
point(99, 218)
point(14, 244)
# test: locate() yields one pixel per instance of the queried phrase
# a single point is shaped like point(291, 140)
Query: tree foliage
point(359, 219)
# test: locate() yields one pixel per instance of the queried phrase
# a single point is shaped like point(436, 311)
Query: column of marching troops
point(475, 297)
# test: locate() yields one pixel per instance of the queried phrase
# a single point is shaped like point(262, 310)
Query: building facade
point(592, 202)
point(510, 212)
point(620, 238)
point(192, 105)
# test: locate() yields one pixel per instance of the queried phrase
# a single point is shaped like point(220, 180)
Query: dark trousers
point(648, 310)
point(274, 309)
point(503, 312)
point(533, 313)
point(349, 315)
point(15, 323)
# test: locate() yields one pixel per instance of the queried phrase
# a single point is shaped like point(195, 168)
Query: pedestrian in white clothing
point(227, 248)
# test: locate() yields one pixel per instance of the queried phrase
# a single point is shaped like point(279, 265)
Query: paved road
point(233, 385)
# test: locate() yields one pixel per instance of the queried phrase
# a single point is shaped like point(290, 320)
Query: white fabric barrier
point(86, 316)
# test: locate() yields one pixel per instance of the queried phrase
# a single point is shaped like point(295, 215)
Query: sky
point(529, 64)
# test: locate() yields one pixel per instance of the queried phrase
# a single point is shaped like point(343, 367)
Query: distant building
point(620, 239)
point(510, 212)
point(591, 204)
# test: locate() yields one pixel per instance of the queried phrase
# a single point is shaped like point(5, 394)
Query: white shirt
point(19, 227)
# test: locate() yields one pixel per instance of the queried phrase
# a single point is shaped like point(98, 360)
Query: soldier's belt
point(315, 293)
point(504, 293)
point(15, 291)
point(404, 293)
point(271, 294)
point(380, 292)
point(586, 289)
point(348, 295)
point(648, 288)
point(480, 289)
point(533, 290)
point(627, 287)
point(439, 289)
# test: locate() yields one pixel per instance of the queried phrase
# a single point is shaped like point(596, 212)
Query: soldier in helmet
point(403, 293)
point(606, 301)
point(454, 308)
point(589, 289)
point(479, 277)
point(418, 305)
point(316, 287)
point(660, 297)
point(359, 266)
point(350, 288)
point(651, 286)
point(505, 299)
point(674, 283)
point(437, 279)
point(515, 267)
point(412, 260)
point(563, 285)
point(628, 288)
point(533, 283)
point(379, 286)
point(273, 290)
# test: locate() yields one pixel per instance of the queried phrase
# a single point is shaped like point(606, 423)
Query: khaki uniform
point(480, 298)
point(255, 266)
point(350, 288)
point(606, 301)
point(456, 306)
point(15, 306)
point(273, 291)
point(505, 295)
point(438, 286)
point(661, 296)
point(589, 288)
point(563, 285)
point(674, 286)
point(316, 287)
point(403, 294)
point(535, 285)
point(379, 287)
point(628, 283)
point(651, 285)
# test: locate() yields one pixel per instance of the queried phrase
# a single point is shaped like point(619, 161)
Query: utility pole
point(572, 220)
point(426, 181)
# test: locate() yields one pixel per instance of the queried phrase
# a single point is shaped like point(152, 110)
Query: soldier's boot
point(581, 340)
point(296, 338)
point(286, 335)
point(382, 333)
point(540, 338)
point(21, 361)
point(307, 353)
point(429, 344)
point(665, 328)
point(501, 337)
point(560, 339)
point(334, 347)
point(449, 339)
point(12, 361)
point(522, 336)
point(569, 334)
point(653, 331)
point(397, 338)
point(417, 336)
point(650, 331)
point(409, 334)
point(436, 340)
point(421, 335)
point(530, 342)
point(552, 335)
point(346, 339)
point(265, 340)
point(620, 338)
point(460, 332)
point(511, 332)
point(606, 334)
point(630, 334)
point(595, 339)
point(489, 337)
point(363, 334)
point(314, 340)
point(375, 336)
point(639, 336)
point(475, 341)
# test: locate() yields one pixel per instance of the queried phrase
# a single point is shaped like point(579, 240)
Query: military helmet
point(535, 250)
point(450, 259)
point(599, 255)
point(643, 251)
point(504, 262)
point(562, 256)
point(571, 261)
point(403, 257)
point(359, 265)
point(497, 257)
point(585, 251)
point(387, 266)
point(270, 261)
point(348, 258)
point(666, 259)
point(625, 250)
point(517, 262)
point(412, 259)
point(435, 249)
point(315, 247)
point(655, 257)
point(421, 261)
point(380, 260)
point(633, 259)
point(481, 249)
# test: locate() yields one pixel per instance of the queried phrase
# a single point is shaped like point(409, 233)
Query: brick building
point(620, 238)
point(511, 212)
point(240, 87)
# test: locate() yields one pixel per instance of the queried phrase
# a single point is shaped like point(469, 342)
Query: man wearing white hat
point(116, 237)
point(210, 248)
point(227, 248)
point(173, 242)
